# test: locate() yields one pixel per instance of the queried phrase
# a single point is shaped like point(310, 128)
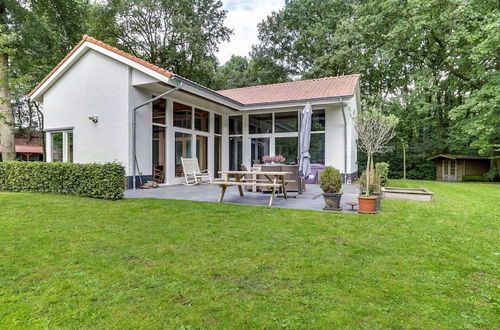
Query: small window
point(182, 115)
point(201, 120)
point(262, 123)
point(235, 125)
point(61, 144)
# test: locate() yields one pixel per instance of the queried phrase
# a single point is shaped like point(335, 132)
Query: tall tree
point(182, 36)
point(6, 117)
point(432, 63)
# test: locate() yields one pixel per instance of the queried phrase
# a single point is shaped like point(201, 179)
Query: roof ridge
point(292, 82)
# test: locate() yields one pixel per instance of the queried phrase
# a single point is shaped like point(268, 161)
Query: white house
point(91, 97)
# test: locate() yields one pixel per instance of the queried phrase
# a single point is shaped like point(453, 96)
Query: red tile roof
point(27, 149)
point(289, 91)
point(110, 48)
point(295, 90)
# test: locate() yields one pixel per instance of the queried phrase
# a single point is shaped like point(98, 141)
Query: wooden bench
point(224, 184)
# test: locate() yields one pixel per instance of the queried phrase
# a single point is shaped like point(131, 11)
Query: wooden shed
point(456, 167)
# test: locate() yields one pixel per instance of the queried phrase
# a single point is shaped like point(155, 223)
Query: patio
point(311, 199)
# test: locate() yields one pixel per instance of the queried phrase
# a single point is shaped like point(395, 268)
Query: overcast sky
point(243, 17)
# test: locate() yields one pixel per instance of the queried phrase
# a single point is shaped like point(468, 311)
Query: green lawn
point(75, 262)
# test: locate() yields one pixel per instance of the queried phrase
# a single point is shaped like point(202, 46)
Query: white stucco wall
point(95, 86)
point(98, 85)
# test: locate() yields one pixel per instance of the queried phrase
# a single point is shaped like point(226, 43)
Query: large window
point(235, 152)
point(69, 143)
point(159, 112)
point(260, 148)
point(202, 151)
point(201, 120)
point(318, 120)
point(61, 146)
point(159, 148)
point(57, 147)
point(182, 115)
point(262, 123)
point(217, 145)
point(286, 122)
point(288, 147)
point(182, 149)
point(235, 125)
point(217, 155)
point(317, 148)
point(217, 124)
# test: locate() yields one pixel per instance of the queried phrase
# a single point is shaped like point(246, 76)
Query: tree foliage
point(374, 130)
point(434, 64)
point(182, 36)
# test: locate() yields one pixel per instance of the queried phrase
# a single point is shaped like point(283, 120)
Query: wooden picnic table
point(273, 180)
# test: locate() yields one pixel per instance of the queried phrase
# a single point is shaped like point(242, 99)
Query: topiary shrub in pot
point(330, 181)
point(375, 130)
point(375, 187)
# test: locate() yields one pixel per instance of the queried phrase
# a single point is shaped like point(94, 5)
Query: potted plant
point(374, 130)
point(330, 181)
point(374, 189)
point(272, 160)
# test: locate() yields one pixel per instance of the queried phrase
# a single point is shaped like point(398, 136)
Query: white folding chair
point(192, 173)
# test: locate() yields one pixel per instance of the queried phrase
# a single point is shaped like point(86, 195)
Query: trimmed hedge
point(103, 181)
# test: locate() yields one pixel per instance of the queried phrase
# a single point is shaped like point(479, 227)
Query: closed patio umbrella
point(304, 141)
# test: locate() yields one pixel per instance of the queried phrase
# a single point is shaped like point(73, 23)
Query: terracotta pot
point(367, 205)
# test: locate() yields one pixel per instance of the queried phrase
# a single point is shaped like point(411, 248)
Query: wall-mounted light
point(94, 119)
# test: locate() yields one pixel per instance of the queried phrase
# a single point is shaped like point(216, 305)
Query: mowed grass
point(74, 262)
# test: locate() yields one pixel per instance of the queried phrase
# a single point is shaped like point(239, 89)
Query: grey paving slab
point(311, 199)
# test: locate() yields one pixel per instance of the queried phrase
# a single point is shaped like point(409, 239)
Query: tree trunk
point(368, 175)
point(6, 116)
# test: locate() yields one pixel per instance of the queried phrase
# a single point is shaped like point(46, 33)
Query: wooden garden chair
point(192, 173)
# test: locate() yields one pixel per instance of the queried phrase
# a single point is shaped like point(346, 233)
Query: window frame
point(67, 151)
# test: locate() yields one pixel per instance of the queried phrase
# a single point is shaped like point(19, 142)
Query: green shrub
point(374, 184)
point(104, 181)
point(492, 174)
point(478, 178)
point(330, 180)
point(382, 171)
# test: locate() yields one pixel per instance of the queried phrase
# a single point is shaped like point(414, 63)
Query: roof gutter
point(134, 130)
point(237, 105)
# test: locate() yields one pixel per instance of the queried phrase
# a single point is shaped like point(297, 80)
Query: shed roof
point(450, 156)
point(27, 149)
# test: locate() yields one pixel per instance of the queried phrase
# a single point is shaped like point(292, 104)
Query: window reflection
point(182, 115)
point(201, 120)
point(286, 122)
point(262, 123)
point(182, 149)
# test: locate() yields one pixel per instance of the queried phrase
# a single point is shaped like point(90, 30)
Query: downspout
point(345, 140)
point(134, 119)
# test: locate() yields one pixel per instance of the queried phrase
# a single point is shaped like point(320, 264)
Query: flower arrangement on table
point(279, 159)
